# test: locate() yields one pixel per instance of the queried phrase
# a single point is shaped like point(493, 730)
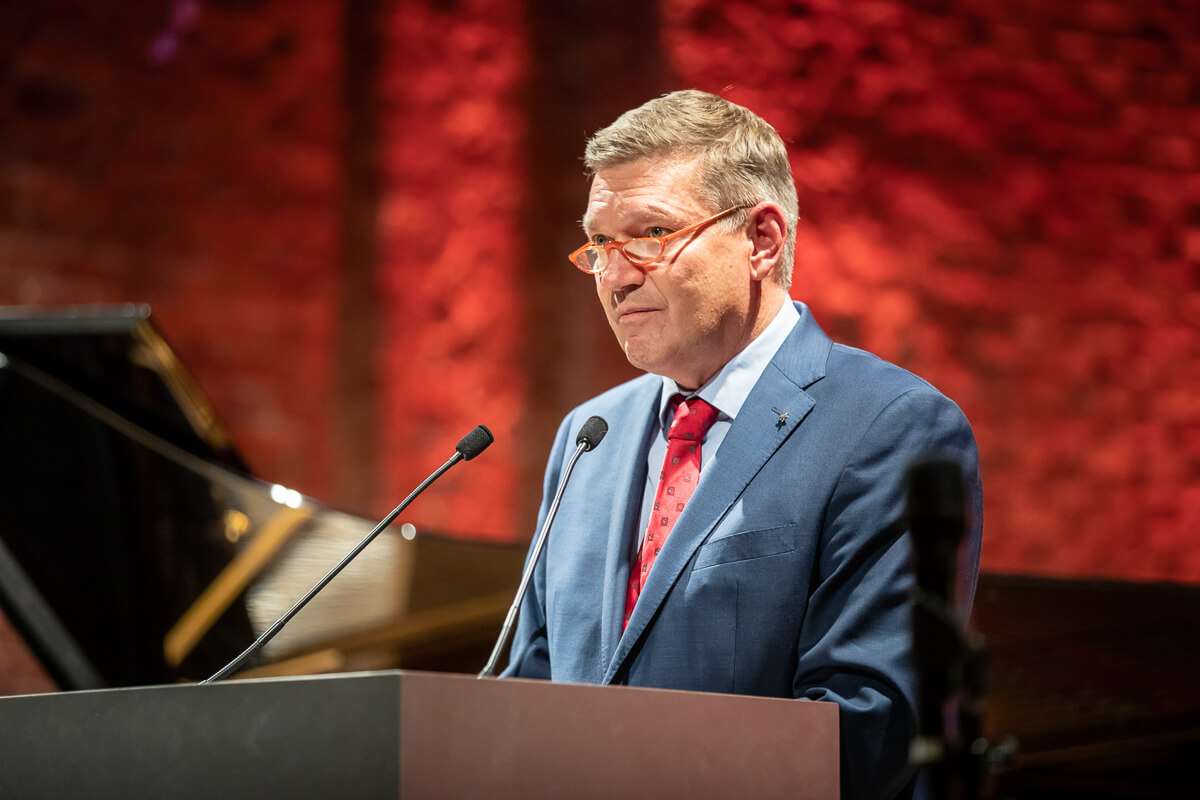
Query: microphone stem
point(270, 632)
point(490, 668)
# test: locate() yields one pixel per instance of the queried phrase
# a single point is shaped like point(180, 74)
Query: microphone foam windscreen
point(591, 433)
point(475, 442)
point(936, 491)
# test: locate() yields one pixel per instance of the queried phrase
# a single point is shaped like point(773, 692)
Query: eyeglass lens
point(640, 251)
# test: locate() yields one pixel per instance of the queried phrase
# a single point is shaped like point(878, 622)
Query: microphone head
point(474, 442)
point(936, 492)
point(591, 433)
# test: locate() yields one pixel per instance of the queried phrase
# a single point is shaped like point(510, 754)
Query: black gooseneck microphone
point(589, 436)
point(467, 448)
point(950, 661)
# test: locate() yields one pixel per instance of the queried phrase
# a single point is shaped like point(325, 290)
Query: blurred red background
point(350, 220)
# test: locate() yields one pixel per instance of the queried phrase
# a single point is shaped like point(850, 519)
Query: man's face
point(687, 315)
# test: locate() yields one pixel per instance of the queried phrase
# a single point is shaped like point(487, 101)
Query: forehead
point(627, 193)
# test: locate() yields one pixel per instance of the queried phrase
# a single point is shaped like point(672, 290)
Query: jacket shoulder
point(850, 365)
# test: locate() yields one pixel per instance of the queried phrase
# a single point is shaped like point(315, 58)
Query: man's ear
point(768, 233)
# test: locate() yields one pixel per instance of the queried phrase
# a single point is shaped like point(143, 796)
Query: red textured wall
point(452, 244)
point(1005, 198)
point(205, 186)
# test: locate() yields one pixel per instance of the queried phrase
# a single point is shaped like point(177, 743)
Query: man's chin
point(654, 362)
point(638, 357)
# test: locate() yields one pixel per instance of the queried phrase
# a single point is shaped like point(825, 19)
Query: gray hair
point(741, 160)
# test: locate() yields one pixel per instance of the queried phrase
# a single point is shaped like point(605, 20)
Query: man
point(783, 574)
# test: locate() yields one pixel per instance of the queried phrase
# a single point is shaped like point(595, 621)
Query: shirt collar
point(729, 388)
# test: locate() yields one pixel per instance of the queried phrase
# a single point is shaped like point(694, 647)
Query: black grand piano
point(136, 548)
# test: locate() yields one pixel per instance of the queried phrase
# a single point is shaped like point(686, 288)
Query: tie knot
point(692, 420)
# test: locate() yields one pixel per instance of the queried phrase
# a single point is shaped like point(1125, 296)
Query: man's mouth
point(634, 313)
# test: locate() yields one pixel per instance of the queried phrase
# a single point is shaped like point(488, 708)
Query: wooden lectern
point(414, 735)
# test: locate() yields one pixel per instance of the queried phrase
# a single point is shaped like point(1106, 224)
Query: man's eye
point(656, 232)
point(600, 239)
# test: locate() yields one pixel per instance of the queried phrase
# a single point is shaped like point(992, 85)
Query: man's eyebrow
point(658, 209)
point(652, 211)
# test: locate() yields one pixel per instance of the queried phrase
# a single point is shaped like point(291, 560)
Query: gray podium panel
point(531, 739)
point(422, 735)
point(332, 736)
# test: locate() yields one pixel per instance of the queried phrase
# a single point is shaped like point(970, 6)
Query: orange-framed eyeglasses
point(642, 252)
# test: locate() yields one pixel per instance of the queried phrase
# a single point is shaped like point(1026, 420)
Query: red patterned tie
point(676, 482)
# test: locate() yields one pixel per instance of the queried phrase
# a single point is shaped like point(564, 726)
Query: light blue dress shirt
point(726, 392)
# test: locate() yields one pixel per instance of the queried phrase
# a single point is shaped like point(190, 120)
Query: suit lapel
point(629, 447)
point(773, 409)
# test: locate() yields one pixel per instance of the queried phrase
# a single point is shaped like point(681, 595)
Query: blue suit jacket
point(784, 575)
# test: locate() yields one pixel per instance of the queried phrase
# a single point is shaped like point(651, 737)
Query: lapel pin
point(782, 418)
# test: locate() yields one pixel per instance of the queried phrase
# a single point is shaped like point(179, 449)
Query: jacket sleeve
point(856, 644)
point(529, 656)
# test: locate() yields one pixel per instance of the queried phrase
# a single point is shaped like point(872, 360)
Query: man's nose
point(620, 272)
